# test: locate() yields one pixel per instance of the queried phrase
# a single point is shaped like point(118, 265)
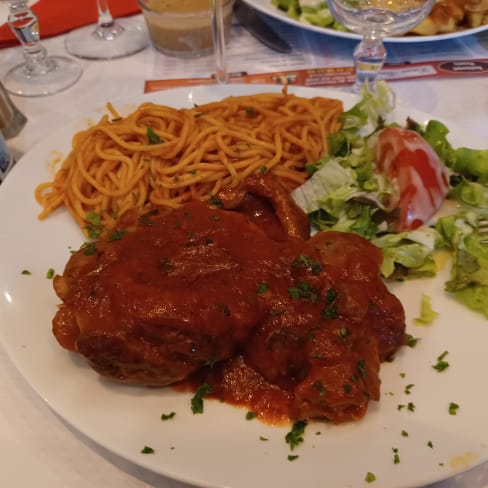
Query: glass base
point(58, 74)
point(118, 40)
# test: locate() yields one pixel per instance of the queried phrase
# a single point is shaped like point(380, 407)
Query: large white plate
point(221, 448)
point(267, 7)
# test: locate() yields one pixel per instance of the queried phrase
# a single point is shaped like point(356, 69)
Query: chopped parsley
point(441, 365)
point(331, 295)
point(215, 201)
point(319, 386)
point(361, 365)
point(295, 437)
point(404, 433)
point(292, 457)
point(408, 389)
point(262, 438)
point(147, 450)
point(396, 457)
point(167, 416)
point(303, 290)
point(152, 137)
point(94, 229)
point(453, 408)
point(262, 288)
point(251, 112)
point(117, 235)
point(88, 248)
point(50, 273)
point(330, 312)
point(197, 400)
point(429, 444)
point(411, 341)
point(26, 272)
point(314, 266)
point(251, 415)
point(370, 477)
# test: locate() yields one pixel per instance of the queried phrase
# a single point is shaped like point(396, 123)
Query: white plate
point(267, 7)
point(221, 448)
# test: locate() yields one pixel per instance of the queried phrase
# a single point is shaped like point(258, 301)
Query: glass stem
point(369, 58)
point(219, 40)
point(24, 24)
point(107, 28)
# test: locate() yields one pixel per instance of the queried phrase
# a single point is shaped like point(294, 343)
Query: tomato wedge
point(421, 177)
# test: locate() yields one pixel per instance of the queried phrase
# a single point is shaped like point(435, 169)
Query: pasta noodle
point(161, 156)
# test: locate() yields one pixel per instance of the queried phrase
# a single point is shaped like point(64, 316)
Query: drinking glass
point(374, 20)
point(108, 38)
point(218, 36)
point(39, 74)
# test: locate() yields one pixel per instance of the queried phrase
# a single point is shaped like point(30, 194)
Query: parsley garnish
point(215, 201)
point(404, 433)
point(319, 386)
point(411, 341)
point(441, 365)
point(295, 437)
point(361, 365)
point(197, 400)
point(251, 415)
point(50, 273)
point(315, 266)
point(408, 389)
point(292, 457)
point(26, 272)
point(429, 443)
point(303, 290)
point(453, 408)
point(95, 228)
point(330, 312)
point(396, 457)
point(89, 248)
point(144, 219)
point(167, 416)
point(117, 235)
point(370, 477)
point(147, 450)
point(152, 137)
point(262, 288)
point(251, 112)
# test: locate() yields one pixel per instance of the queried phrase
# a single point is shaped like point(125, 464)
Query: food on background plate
point(446, 16)
point(236, 296)
point(164, 156)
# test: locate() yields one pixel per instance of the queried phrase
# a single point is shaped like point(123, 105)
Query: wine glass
point(108, 38)
point(374, 20)
point(218, 36)
point(39, 74)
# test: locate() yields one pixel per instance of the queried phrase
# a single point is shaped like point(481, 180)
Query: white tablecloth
point(37, 448)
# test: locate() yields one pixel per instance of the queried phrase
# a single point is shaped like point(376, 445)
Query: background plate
point(220, 448)
point(266, 7)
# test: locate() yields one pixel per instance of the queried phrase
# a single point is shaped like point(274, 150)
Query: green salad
point(413, 214)
point(313, 12)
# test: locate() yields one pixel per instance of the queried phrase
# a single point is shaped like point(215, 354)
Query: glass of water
point(375, 20)
point(39, 74)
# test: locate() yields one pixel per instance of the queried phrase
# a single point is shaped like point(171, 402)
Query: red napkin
point(60, 16)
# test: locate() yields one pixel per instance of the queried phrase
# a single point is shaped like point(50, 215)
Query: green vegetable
point(427, 314)
point(453, 408)
point(197, 400)
point(152, 137)
point(345, 193)
point(295, 437)
point(441, 365)
point(147, 450)
point(370, 477)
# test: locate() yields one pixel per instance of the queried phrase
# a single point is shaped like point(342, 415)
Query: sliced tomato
point(420, 176)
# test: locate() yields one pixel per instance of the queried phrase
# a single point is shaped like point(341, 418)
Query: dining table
point(38, 448)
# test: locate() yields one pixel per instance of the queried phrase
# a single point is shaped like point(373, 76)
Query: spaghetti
point(161, 156)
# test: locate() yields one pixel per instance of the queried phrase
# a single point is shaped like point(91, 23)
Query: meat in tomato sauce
point(241, 298)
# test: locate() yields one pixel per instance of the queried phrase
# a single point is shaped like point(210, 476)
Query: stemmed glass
point(39, 74)
point(108, 38)
point(374, 20)
point(218, 36)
